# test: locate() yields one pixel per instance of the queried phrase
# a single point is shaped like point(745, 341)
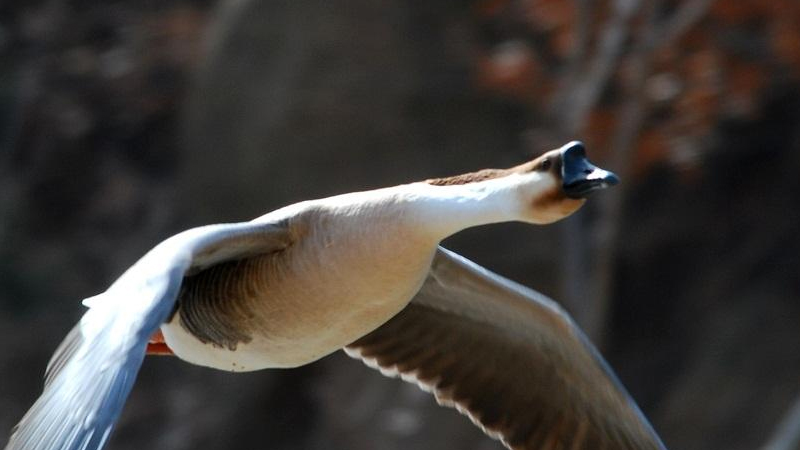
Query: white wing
point(510, 359)
point(91, 373)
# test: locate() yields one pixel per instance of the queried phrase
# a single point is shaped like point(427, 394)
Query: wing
point(91, 373)
point(510, 359)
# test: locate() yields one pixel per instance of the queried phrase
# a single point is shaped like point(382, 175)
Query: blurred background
point(122, 122)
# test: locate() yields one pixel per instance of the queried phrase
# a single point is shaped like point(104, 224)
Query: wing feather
point(510, 359)
point(92, 371)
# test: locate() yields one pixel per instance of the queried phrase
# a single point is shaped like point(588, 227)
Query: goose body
point(363, 272)
point(296, 309)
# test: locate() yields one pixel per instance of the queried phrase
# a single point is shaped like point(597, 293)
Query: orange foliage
point(785, 40)
point(549, 15)
point(489, 8)
point(651, 149)
point(601, 123)
point(718, 68)
point(735, 12)
point(510, 70)
point(563, 42)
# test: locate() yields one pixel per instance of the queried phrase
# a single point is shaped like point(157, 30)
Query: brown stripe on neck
point(481, 175)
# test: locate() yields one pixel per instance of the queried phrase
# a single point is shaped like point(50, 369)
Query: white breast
point(356, 265)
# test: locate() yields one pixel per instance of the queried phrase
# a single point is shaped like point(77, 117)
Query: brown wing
point(510, 359)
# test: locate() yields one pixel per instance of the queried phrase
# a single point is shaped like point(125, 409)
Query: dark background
point(122, 122)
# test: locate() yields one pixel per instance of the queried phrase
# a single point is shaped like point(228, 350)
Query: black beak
point(580, 177)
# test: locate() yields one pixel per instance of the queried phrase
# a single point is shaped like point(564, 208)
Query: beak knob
point(580, 177)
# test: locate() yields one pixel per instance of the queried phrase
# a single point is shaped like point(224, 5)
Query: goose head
point(544, 190)
point(559, 182)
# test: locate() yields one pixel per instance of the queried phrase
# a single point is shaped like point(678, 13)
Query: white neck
point(446, 210)
point(437, 212)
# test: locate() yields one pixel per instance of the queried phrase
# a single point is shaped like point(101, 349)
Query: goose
point(362, 272)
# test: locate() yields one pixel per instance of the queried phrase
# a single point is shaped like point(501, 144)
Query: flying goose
point(361, 272)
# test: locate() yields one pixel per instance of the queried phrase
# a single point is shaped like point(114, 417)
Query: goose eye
point(545, 165)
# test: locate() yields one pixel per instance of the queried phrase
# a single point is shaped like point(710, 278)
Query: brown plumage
point(489, 174)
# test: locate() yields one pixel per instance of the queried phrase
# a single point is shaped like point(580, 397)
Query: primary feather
point(91, 373)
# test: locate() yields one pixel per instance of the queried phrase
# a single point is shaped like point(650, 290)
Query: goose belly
point(289, 321)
